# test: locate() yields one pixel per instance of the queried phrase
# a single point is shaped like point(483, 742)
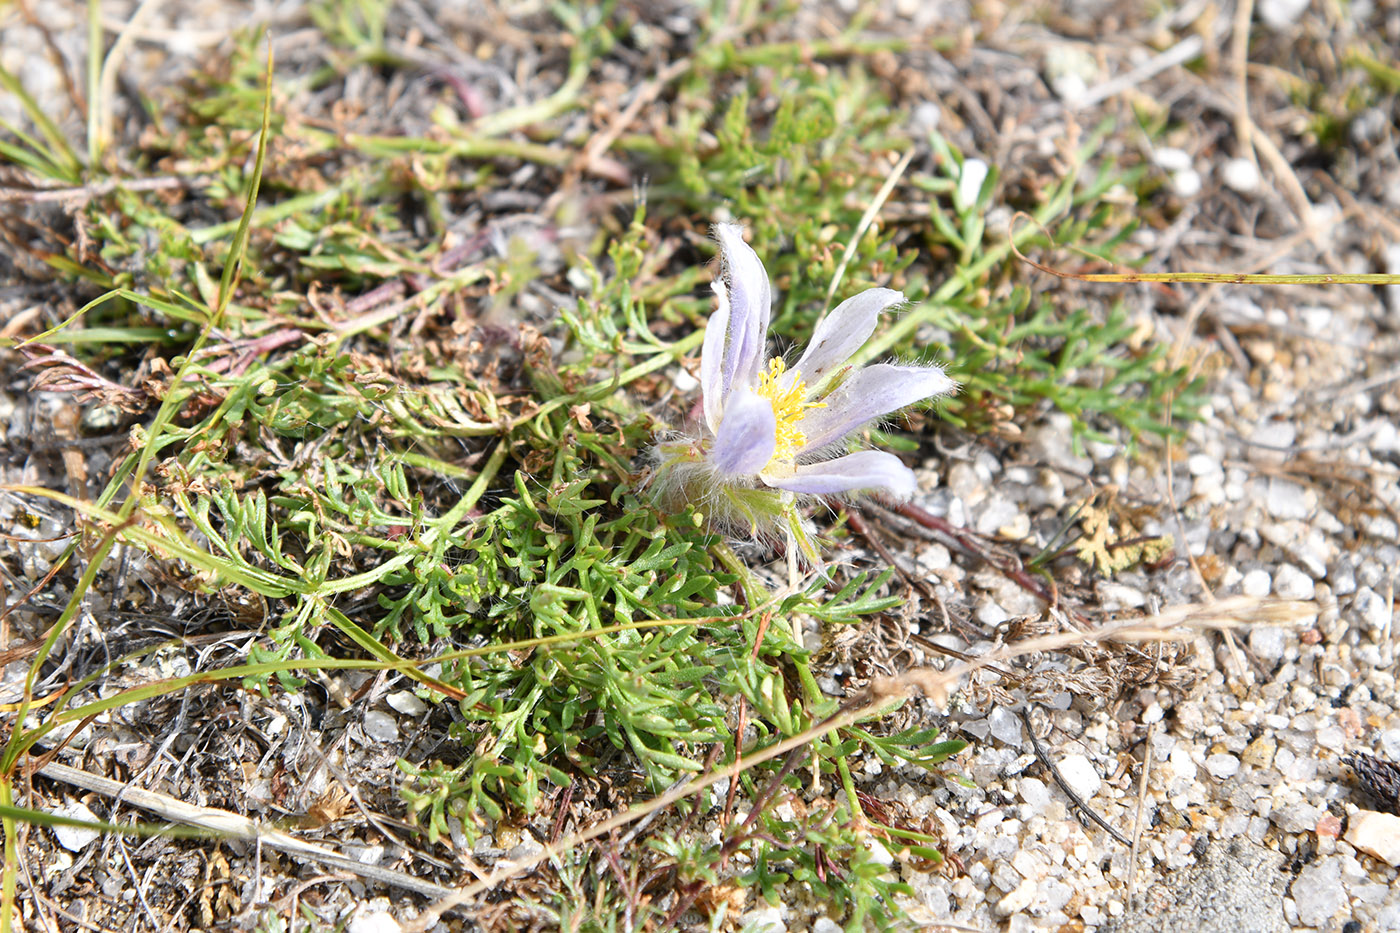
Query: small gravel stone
point(1005, 726)
point(1376, 834)
point(1268, 643)
point(1240, 175)
point(1222, 766)
point(935, 557)
point(1319, 892)
point(1270, 440)
point(1260, 752)
point(765, 919)
point(974, 173)
point(1079, 773)
point(1034, 792)
point(1018, 900)
point(1292, 583)
point(990, 614)
point(381, 727)
point(1280, 14)
point(1118, 596)
point(1172, 159)
point(1052, 895)
point(879, 854)
point(1186, 184)
point(373, 918)
point(1203, 465)
point(1372, 610)
point(75, 838)
point(1287, 500)
point(1296, 817)
point(1181, 764)
point(406, 702)
point(1390, 744)
point(1257, 583)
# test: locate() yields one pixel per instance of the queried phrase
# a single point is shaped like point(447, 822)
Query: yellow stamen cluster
point(789, 408)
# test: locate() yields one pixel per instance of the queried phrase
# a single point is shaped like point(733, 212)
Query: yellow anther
point(789, 408)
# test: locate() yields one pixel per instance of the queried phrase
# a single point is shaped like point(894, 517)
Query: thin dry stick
point(1239, 58)
point(1080, 807)
point(1137, 816)
point(1249, 140)
point(1179, 54)
point(100, 116)
point(866, 220)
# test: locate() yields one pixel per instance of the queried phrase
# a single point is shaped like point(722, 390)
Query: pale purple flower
point(770, 431)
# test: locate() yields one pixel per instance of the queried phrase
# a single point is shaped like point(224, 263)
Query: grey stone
point(76, 838)
point(1372, 609)
point(1319, 893)
point(381, 727)
point(1222, 766)
point(1006, 726)
point(1236, 887)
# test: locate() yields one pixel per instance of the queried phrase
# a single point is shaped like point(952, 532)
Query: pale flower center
point(789, 408)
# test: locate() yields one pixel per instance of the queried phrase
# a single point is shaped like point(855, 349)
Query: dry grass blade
point(224, 823)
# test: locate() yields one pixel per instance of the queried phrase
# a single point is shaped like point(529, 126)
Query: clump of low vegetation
point(385, 369)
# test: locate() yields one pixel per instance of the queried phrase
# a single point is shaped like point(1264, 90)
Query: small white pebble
point(1181, 764)
point(1017, 901)
point(1280, 14)
point(406, 702)
point(1201, 464)
point(1172, 159)
point(764, 920)
point(1034, 792)
point(1240, 175)
point(974, 173)
point(1079, 773)
point(684, 382)
point(1292, 583)
point(1186, 184)
point(1376, 834)
point(381, 727)
point(373, 920)
point(1256, 583)
point(1222, 766)
point(75, 838)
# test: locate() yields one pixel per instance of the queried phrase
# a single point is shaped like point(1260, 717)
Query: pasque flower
point(772, 432)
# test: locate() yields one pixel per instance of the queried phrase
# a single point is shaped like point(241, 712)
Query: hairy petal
point(843, 332)
point(746, 436)
point(866, 471)
point(711, 359)
point(871, 393)
point(750, 298)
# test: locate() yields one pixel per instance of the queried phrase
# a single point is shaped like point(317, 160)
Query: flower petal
point(843, 332)
point(868, 471)
point(746, 436)
point(868, 394)
point(711, 357)
point(750, 300)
